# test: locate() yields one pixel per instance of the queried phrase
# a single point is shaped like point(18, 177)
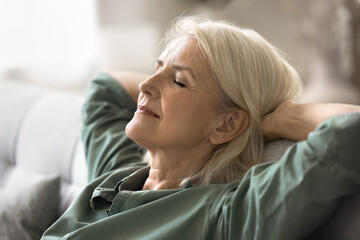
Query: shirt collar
point(136, 181)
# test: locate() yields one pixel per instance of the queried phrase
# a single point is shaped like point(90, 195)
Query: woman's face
point(176, 105)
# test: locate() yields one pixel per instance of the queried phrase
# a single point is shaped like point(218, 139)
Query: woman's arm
point(299, 192)
point(295, 121)
point(106, 112)
point(129, 80)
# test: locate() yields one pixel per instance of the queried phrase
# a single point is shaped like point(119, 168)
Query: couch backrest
point(40, 134)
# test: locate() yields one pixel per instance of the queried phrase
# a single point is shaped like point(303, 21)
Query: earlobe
point(232, 125)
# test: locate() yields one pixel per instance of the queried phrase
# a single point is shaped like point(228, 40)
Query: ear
point(231, 125)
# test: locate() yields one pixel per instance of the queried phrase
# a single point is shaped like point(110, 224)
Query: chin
point(136, 132)
point(130, 132)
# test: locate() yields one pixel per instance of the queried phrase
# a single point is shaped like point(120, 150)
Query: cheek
point(180, 109)
point(189, 113)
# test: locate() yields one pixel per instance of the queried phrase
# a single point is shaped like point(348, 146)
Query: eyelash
point(180, 84)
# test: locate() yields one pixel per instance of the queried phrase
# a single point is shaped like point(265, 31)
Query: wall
point(50, 43)
point(63, 43)
point(138, 25)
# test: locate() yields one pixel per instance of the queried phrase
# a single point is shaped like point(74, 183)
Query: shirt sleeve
point(291, 198)
point(107, 110)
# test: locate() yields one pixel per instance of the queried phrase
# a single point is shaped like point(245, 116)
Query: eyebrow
point(179, 68)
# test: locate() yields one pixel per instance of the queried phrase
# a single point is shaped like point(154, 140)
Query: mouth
point(144, 110)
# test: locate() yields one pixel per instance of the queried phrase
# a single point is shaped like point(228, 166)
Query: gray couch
point(42, 164)
point(41, 155)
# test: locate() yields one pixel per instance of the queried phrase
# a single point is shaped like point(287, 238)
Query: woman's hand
point(295, 121)
point(281, 122)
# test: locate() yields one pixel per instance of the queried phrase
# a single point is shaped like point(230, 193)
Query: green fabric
point(287, 199)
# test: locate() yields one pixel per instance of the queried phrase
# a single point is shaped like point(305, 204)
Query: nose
point(149, 87)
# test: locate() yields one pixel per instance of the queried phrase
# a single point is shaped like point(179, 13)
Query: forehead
point(184, 50)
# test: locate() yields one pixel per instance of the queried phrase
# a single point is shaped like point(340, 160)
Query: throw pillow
point(26, 212)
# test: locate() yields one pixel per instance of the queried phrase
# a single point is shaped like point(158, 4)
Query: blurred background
point(62, 44)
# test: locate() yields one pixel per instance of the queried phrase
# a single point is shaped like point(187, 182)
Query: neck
point(154, 183)
point(167, 170)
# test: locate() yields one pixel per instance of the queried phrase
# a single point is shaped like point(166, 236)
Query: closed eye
point(180, 84)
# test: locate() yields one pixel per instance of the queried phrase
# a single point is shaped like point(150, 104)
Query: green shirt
point(287, 199)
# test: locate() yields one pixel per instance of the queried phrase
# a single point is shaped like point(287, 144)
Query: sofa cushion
point(16, 101)
point(49, 141)
point(345, 222)
point(28, 204)
point(49, 134)
point(274, 150)
point(40, 131)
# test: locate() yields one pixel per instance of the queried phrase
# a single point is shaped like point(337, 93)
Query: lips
point(147, 111)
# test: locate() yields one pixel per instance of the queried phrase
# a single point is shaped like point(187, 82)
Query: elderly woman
point(218, 90)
